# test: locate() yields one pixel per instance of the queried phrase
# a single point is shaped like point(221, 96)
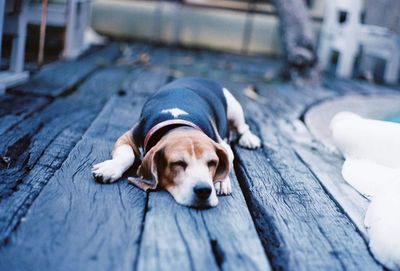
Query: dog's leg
point(224, 187)
point(123, 156)
point(236, 118)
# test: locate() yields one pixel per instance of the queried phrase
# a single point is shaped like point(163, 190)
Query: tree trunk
point(297, 37)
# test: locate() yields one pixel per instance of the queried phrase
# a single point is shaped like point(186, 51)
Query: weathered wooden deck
point(290, 209)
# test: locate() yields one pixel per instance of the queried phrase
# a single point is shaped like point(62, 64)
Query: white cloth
point(372, 166)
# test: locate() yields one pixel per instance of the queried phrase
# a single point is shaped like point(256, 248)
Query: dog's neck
point(160, 130)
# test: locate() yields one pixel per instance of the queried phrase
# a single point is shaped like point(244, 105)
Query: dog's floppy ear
point(149, 170)
point(223, 167)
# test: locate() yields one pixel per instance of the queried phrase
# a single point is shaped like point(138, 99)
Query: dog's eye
point(212, 163)
point(181, 164)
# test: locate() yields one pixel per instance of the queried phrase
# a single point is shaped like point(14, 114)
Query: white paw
point(223, 187)
point(249, 140)
point(107, 172)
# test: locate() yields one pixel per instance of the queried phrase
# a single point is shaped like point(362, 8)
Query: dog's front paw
point(223, 187)
point(107, 172)
point(249, 140)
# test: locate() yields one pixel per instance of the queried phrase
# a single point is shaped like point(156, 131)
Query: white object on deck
point(343, 32)
point(372, 152)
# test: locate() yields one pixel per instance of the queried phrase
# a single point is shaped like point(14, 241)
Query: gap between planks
point(65, 209)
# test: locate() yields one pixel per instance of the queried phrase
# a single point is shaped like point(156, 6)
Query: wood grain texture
point(285, 105)
point(76, 223)
point(74, 213)
point(325, 166)
point(60, 77)
point(38, 145)
point(299, 211)
point(179, 238)
point(291, 189)
point(328, 169)
point(300, 226)
point(14, 109)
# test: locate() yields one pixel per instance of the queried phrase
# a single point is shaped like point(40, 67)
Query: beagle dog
point(182, 141)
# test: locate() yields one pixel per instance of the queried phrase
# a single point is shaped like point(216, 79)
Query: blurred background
point(349, 38)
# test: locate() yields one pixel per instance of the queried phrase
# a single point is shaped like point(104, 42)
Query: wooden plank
point(38, 145)
point(14, 109)
point(60, 77)
point(179, 238)
point(158, 64)
point(324, 165)
point(327, 168)
point(219, 65)
point(251, 69)
point(285, 107)
point(290, 208)
point(204, 240)
point(76, 223)
point(300, 226)
point(299, 212)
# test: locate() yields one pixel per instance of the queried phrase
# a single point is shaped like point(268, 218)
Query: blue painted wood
point(77, 224)
point(38, 145)
point(300, 226)
point(59, 78)
point(15, 109)
point(299, 207)
point(178, 238)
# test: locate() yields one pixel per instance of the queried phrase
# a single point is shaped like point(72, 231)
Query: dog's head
point(186, 163)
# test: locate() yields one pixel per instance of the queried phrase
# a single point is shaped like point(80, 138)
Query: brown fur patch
point(187, 144)
point(127, 139)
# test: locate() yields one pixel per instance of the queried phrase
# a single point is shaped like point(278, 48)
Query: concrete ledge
point(319, 117)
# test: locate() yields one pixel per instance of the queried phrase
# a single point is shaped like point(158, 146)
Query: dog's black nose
point(202, 190)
